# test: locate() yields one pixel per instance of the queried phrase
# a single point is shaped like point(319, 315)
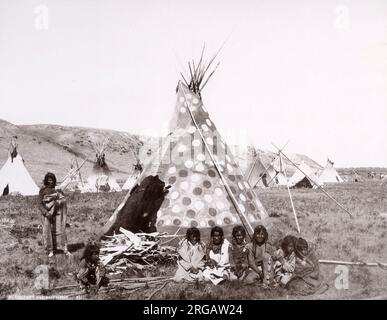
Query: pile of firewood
point(140, 251)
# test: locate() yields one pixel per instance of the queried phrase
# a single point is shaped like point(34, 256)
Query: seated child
point(191, 257)
point(284, 261)
point(306, 279)
point(238, 254)
point(90, 271)
point(258, 258)
point(217, 258)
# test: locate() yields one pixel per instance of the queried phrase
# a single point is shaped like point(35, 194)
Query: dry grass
point(334, 233)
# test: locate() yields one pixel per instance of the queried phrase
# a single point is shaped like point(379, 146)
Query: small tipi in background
point(73, 180)
point(279, 177)
point(101, 178)
point(329, 174)
point(300, 180)
point(257, 174)
point(273, 175)
point(14, 177)
point(207, 187)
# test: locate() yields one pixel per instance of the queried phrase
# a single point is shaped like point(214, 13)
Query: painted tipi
point(207, 187)
point(329, 174)
point(14, 177)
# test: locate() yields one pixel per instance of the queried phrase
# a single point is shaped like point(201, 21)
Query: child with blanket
point(306, 279)
point(191, 258)
point(284, 261)
point(91, 272)
point(217, 258)
point(258, 258)
point(238, 254)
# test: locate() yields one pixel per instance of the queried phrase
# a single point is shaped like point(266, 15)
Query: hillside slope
point(50, 148)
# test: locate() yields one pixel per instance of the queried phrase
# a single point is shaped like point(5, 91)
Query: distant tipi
point(259, 175)
point(73, 181)
point(329, 174)
point(101, 178)
point(304, 177)
point(279, 167)
point(14, 177)
point(207, 187)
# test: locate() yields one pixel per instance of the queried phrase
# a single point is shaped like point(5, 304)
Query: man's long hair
point(47, 176)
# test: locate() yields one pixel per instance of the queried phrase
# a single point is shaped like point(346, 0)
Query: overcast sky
point(312, 72)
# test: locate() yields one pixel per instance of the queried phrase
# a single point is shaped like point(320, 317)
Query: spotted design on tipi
point(198, 196)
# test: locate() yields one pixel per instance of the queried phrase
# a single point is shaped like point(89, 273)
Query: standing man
point(53, 206)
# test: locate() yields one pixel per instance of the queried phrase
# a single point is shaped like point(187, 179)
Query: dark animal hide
point(139, 213)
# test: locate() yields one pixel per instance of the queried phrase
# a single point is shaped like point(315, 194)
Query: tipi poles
point(261, 176)
point(291, 201)
point(294, 211)
point(272, 179)
point(235, 203)
point(76, 171)
point(69, 174)
point(79, 170)
point(326, 193)
point(252, 168)
point(266, 169)
point(72, 172)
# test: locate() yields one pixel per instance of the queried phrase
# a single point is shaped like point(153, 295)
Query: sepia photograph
point(201, 151)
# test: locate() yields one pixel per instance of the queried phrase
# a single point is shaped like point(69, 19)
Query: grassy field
point(334, 233)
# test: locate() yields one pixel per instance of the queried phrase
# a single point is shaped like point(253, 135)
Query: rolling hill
point(47, 147)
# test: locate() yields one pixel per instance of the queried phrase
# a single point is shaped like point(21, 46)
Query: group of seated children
point(293, 265)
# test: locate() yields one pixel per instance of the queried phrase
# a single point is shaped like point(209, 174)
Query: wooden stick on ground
point(140, 279)
point(157, 290)
point(357, 263)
